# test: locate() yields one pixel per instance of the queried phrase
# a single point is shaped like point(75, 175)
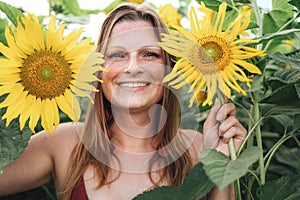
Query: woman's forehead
point(132, 34)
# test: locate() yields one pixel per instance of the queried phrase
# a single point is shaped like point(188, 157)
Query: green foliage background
point(267, 166)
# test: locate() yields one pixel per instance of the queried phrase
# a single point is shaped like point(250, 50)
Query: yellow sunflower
point(170, 15)
point(210, 58)
point(41, 73)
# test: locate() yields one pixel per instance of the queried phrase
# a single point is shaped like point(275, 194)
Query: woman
point(130, 141)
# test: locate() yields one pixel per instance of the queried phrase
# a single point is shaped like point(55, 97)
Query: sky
point(41, 7)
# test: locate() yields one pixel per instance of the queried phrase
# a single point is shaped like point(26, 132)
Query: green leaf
point(11, 12)
point(295, 3)
point(296, 125)
point(287, 187)
point(290, 108)
point(72, 7)
point(279, 57)
point(3, 25)
point(12, 142)
point(283, 87)
point(196, 185)
point(289, 158)
point(287, 76)
point(164, 192)
point(223, 171)
point(281, 12)
point(256, 84)
point(214, 5)
point(297, 87)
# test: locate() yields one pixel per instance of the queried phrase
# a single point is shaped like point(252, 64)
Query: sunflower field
point(234, 50)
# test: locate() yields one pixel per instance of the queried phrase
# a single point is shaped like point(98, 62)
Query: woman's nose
point(134, 66)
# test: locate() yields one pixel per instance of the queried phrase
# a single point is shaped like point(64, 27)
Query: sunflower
point(170, 15)
point(210, 58)
point(40, 75)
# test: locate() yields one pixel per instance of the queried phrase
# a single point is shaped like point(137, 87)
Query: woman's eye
point(115, 55)
point(152, 54)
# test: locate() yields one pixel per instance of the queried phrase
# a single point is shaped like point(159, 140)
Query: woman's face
point(136, 66)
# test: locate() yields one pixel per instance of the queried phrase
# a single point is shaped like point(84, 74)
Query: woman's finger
point(235, 132)
point(211, 118)
point(227, 124)
point(226, 110)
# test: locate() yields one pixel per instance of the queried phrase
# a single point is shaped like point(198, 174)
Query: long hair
point(94, 143)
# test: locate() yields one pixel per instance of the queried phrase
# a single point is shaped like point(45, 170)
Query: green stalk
point(256, 114)
point(256, 117)
point(250, 144)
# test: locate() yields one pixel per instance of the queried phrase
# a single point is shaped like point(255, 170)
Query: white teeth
point(133, 85)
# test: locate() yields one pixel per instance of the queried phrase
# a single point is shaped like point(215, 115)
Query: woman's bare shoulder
point(60, 145)
point(66, 134)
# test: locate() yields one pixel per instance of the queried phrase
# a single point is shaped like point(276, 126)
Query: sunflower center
point(45, 74)
point(213, 54)
point(213, 50)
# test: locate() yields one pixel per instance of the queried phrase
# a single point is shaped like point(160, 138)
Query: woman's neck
point(133, 131)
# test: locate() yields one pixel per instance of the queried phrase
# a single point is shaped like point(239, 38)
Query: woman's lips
point(133, 85)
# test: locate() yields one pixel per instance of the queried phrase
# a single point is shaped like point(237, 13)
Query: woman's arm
point(33, 168)
point(44, 158)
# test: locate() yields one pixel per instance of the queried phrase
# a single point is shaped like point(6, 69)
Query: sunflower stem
point(256, 117)
point(231, 147)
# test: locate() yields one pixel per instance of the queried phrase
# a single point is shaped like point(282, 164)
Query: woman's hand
point(221, 125)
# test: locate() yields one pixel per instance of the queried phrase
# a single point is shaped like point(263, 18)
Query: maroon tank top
point(79, 192)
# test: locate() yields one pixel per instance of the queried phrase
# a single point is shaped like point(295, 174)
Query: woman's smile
point(133, 86)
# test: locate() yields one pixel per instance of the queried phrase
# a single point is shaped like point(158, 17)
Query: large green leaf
point(223, 171)
point(289, 157)
point(11, 12)
point(283, 86)
point(12, 142)
point(196, 185)
point(294, 62)
point(161, 193)
point(287, 187)
point(286, 76)
point(281, 12)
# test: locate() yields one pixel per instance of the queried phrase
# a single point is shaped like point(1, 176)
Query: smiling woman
point(131, 140)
